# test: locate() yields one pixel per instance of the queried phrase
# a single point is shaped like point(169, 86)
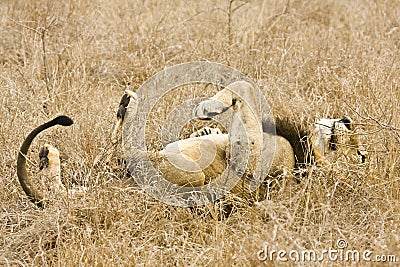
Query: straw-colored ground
point(311, 58)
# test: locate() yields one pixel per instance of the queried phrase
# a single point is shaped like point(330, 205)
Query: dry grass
point(311, 58)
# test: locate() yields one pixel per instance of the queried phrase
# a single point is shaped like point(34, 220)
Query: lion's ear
point(347, 122)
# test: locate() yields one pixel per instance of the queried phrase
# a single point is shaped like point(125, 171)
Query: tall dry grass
point(311, 58)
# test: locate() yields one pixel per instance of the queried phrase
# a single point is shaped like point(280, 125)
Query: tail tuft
point(63, 120)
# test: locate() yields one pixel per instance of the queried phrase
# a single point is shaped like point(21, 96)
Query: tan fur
point(246, 114)
point(51, 177)
point(215, 146)
point(284, 155)
point(181, 162)
point(241, 97)
point(51, 183)
point(284, 159)
point(190, 148)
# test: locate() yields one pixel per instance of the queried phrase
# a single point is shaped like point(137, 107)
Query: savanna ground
point(312, 59)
